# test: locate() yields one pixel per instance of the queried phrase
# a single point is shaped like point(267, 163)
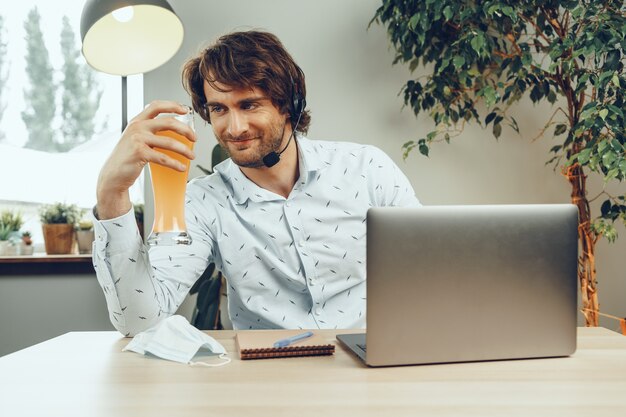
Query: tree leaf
point(608, 159)
point(584, 155)
point(560, 129)
point(552, 96)
point(606, 207)
point(477, 43)
point(414, 21)
point(555, 148)
point(497, 130)
point(490, 95)
point(458, 61)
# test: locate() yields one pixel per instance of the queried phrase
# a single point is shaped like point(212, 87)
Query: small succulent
point(27, 238)
point(85, 224)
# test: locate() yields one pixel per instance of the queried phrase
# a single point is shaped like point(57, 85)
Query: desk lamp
point(126, 37)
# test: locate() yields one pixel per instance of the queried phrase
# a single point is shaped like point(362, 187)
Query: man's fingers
point(169, 123)
point(165, 160)
point(160, 106)
point(165, 142)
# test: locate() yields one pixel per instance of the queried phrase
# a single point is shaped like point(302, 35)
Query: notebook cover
point(259, 344)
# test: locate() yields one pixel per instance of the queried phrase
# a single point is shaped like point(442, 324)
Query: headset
point(296, 108)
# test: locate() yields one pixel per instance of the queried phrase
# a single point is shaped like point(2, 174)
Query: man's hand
point(134, 150)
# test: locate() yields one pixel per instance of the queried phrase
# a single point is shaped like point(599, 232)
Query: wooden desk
point(86, 374)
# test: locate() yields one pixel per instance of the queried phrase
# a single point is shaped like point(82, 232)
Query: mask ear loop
point(213, 365)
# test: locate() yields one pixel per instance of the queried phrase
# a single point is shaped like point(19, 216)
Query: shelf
point(42, 264)
point(44, 258)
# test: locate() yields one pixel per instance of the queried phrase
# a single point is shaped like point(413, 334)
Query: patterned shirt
point(295, 262)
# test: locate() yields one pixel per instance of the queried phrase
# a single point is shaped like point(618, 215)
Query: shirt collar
point(311, 158)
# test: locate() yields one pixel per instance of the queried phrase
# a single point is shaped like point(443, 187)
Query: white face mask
point(176, 340)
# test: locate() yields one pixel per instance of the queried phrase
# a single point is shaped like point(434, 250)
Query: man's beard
point(263, 146)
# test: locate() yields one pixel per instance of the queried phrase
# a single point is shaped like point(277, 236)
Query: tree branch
point(548, 123)
point(551, 16)
point(537, 30)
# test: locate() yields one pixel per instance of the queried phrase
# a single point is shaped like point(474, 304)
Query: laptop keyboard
point(362, 347)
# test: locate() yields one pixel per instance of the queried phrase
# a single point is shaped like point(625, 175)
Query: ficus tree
point(481, 57)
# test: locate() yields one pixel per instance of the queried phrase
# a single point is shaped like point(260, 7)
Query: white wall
point(353, 95)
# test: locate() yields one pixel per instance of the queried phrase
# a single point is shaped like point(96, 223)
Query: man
point(283, 218)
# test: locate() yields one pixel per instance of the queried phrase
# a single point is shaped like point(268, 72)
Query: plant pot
point(11, 249)
point(25, 250)
point(4, 244)
point(58, 238)
point(85, 239)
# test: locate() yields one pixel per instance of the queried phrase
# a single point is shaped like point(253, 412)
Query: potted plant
point(57, 221)
point(26, 246)
point(85, 236)
point(10, 223)
point(480, 58)
point(5, 233)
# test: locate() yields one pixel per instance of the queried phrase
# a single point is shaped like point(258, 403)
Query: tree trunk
point(586, 259)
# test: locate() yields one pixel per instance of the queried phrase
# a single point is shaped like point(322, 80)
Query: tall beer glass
point(168, 186)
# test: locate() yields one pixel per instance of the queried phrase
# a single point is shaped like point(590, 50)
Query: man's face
point(246, 123)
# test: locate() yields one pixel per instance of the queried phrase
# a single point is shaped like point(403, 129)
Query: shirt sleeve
point(391, 186)
point(142, 284)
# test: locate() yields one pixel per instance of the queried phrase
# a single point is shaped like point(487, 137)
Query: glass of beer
point(168, 187)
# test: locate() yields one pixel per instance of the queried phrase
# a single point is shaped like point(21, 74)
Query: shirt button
point(318, 311)
point(312, 282)
point(301, 243)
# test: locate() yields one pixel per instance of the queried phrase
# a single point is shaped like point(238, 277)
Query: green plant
point(5, 232)
point(482, 57)
point(60, 213)
point(13, 220)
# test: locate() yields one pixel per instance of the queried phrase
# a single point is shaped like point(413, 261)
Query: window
point(59, 118)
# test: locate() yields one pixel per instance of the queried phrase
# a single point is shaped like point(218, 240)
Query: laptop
point(469, 283)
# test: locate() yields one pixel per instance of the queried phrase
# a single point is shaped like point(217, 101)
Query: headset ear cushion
point(299, 103)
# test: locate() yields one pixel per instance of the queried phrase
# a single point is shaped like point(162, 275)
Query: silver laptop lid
point(469, 283)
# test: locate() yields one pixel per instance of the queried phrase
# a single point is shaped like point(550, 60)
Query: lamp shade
point(146, 36)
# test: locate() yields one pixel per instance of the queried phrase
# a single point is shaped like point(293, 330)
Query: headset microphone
point(272, 158)
point(298, 103)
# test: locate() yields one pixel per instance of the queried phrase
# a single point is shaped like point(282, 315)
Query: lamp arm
point(124, 102)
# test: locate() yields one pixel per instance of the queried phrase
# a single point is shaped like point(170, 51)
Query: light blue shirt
point(295, 262)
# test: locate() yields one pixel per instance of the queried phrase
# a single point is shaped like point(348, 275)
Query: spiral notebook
point(259, 344)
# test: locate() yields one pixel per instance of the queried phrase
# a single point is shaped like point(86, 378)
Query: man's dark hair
point(250, 59)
